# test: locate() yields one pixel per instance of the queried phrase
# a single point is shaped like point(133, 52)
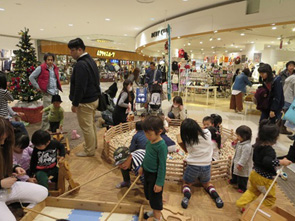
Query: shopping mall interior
point(212, 55)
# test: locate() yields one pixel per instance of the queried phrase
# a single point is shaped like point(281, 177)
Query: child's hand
point(239, 167)
point(157, 189)
point(20, 171)
point(7, 182)
point(168, 119)
point(61, 159)
point(41, 112)
point(20, 114)
point(285, 162)
point(32, 180)
point(140, 171)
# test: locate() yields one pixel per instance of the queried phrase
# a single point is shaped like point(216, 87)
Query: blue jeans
point(192, 173)
point(20, 125)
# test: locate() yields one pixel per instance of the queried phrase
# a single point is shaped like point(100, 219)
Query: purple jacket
point(23, 160)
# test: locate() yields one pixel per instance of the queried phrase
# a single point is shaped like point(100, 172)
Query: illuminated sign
point(158, 33)
point(105, 53)
point(114, 61)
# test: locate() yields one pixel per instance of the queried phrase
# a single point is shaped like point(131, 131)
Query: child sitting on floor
point(216, 139)
point(22, 153)
point(265, 163)
point(154, 165)
point(56, 113)
point(208, 122)
point(242, 162)
point(197, 143)
point(177, 110)
point(128, 161)
point(44, 157)
point(139, 139)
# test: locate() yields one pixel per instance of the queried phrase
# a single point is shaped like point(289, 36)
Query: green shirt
point(55, 114)
point(155, 160)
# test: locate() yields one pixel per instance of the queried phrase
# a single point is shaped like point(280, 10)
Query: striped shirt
point(5, 96)
point(137, 159)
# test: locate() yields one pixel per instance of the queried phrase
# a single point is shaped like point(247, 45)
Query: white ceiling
point(231, 41)
point(50, 19)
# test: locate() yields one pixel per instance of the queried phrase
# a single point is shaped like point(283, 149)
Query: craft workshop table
point(214, 88)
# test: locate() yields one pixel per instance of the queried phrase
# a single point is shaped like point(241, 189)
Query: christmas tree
point(26, 62)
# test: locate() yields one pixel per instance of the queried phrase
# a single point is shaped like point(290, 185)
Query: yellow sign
point(105, 53)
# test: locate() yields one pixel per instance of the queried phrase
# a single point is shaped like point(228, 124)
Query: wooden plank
point(31, 216)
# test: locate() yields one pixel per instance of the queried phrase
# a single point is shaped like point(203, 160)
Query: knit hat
point(121, 155)
point(112, 91)
point(56, 98)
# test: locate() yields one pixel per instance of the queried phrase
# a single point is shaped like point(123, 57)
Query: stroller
point(154, 106)
point(141, 99)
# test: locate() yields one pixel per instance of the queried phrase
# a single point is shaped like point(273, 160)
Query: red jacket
point(43, 78)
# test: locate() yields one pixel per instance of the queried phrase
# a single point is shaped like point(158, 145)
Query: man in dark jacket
point(154, 76)
point(288, 71)
point(84, 93)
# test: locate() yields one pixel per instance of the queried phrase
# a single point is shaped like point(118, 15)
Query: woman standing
point(124, 103)
point(134, 76)
point(275, 93)
point(239, 89)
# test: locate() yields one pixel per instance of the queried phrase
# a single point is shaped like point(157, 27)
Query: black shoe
point(219, 202)
point(291, 137)
point(184, 202)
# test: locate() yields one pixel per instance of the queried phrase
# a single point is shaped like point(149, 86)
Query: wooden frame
point(176, 168)
point(100, 206)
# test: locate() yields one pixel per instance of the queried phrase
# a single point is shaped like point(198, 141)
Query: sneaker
point(241, 191)
point(184, 202)
point(83, 154)
point(123, 184)
point(219, 202)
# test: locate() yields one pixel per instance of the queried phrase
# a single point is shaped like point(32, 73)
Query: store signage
point(114, 61)
point(105, 53)
point(158, 33)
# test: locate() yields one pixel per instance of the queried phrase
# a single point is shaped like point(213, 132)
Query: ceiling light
point(202, 49)
point(241, 49)
point(215, 31)
point(71, 25)
point(232, 45)
point(125, 34)
point(88, 37)
point(212, 47)
point(268, 46)
point(274, 28)
point(178, 37)
point(184, 0)
point(2, 9)
point(203, 53)
point(279, 38)
point(152, 19)
point(191, 50)
point(218, 39)
point(242, 34)
point(225, 51)
point(41, 29)
point(272, 42)
point(236, 46)
point(273, 24)
point(201, 42)
point(293, 29)
point(189, 44)
point(210, 39)
point(158, 50)
point(213, 52)
point(252, 42)
point(136, 28)
point(184, 45)
point(107, 19)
